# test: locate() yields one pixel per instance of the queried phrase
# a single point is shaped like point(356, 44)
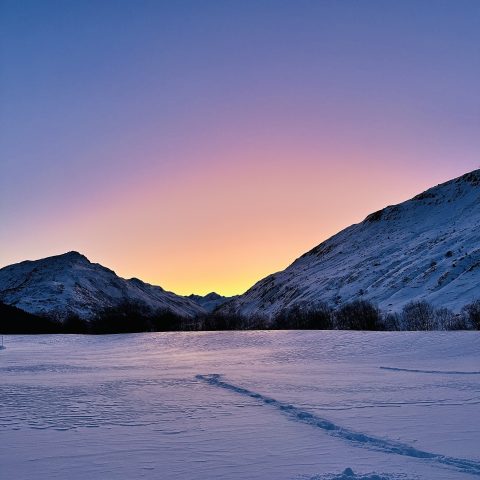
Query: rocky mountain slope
point(427, 248)
point(69, 284)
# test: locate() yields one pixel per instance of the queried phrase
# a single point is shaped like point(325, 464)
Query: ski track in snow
point(357, 438)
point(439, 372)
point(72, 406)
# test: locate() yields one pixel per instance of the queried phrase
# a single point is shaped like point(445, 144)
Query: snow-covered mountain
point(70, 284)
point(210, 301)
point(427, 248)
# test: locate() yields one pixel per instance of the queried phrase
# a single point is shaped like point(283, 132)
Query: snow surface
point(427, 248)
point(70, 284)
point(241, 405)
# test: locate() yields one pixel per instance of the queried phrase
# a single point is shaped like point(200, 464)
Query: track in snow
point(357, 438)
point(439, 372)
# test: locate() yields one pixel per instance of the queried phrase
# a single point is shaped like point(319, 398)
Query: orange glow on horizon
point(225, 227)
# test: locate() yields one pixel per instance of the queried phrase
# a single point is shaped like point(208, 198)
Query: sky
point(202, 145)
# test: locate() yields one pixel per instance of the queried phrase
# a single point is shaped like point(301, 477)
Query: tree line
point(356, 315)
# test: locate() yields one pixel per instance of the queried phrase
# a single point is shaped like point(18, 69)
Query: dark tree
point(319, 317)
point(418, 316)
point(359, 315)
point(13, 320)
point(472, 313)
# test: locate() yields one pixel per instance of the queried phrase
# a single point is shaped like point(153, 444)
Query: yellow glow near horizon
point(222, 229)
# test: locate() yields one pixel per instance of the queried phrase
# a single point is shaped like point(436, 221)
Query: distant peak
point(74, 253)
point(135, 280)
point(213, 296)
point(208, 296)
point(73, 256)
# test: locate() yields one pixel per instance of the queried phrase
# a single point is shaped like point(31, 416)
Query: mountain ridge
point(426, 248)
point(406, 256)
point(210, 301)
point(69, 284)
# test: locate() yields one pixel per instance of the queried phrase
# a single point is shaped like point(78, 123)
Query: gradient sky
point(203, 145)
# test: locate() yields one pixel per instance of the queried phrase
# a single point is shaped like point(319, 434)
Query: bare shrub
point(392, 322)
point(472, 314)
point(418, 316)
point(319, 317)
point(359, 315)
point(444, 319)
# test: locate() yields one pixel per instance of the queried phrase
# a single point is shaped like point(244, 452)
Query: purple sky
point(203, 145)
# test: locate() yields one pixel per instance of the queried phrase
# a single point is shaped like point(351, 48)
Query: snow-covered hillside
point(427, 248)
point(70, 284)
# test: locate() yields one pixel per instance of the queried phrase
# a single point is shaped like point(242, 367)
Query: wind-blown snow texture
point(241, 405)
point(70, 284)
point(427, 248)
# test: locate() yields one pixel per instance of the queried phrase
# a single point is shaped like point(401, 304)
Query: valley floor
point(241, 405)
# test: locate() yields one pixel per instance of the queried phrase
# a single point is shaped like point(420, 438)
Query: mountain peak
point(72, 257)
point(74, 254)
point(213, 296)
point(210, 301)
point(69, 284)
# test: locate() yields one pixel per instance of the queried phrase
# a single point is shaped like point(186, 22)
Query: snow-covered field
point(241, 405)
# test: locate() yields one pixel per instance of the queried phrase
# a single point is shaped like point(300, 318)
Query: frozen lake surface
point(241, 405)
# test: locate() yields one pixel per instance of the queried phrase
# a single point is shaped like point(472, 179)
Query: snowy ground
point(243, 405)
